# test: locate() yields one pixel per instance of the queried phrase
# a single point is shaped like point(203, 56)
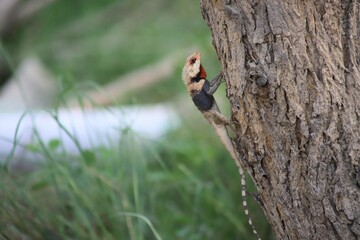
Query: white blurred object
point(31, 87)
point(91, 127)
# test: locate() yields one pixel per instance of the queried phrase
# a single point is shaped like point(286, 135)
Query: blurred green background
point(183, 186)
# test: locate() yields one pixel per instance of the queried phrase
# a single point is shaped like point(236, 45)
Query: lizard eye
point(192, 61)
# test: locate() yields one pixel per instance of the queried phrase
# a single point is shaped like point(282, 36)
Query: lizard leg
point(219, 118)
point(214, 84)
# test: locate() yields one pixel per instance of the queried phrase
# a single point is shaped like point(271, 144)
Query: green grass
point(138, 189)
point(184, 186)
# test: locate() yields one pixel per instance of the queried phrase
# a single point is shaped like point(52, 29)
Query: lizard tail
point(221, 131)
point(244, 203)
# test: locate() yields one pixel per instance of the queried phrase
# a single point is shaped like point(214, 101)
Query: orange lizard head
point(193, 68)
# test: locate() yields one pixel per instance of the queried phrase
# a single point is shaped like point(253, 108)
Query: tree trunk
point(293, 81)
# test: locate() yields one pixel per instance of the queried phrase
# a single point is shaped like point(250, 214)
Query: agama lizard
point(201, 92)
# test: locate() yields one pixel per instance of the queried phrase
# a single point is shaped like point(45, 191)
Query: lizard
point(201, 92)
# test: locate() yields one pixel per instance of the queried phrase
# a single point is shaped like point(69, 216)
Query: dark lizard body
point(202, 100)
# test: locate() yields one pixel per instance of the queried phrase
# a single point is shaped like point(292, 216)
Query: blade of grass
point(145, 219)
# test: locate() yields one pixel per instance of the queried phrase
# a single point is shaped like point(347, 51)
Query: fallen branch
point(15, 12)
point(133, 81)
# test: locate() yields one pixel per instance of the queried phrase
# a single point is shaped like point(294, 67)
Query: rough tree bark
point(293, 81)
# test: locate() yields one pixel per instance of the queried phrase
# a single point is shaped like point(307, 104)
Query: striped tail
point(222, 133)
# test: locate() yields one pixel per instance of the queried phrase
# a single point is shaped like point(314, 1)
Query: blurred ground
point(94, 42)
